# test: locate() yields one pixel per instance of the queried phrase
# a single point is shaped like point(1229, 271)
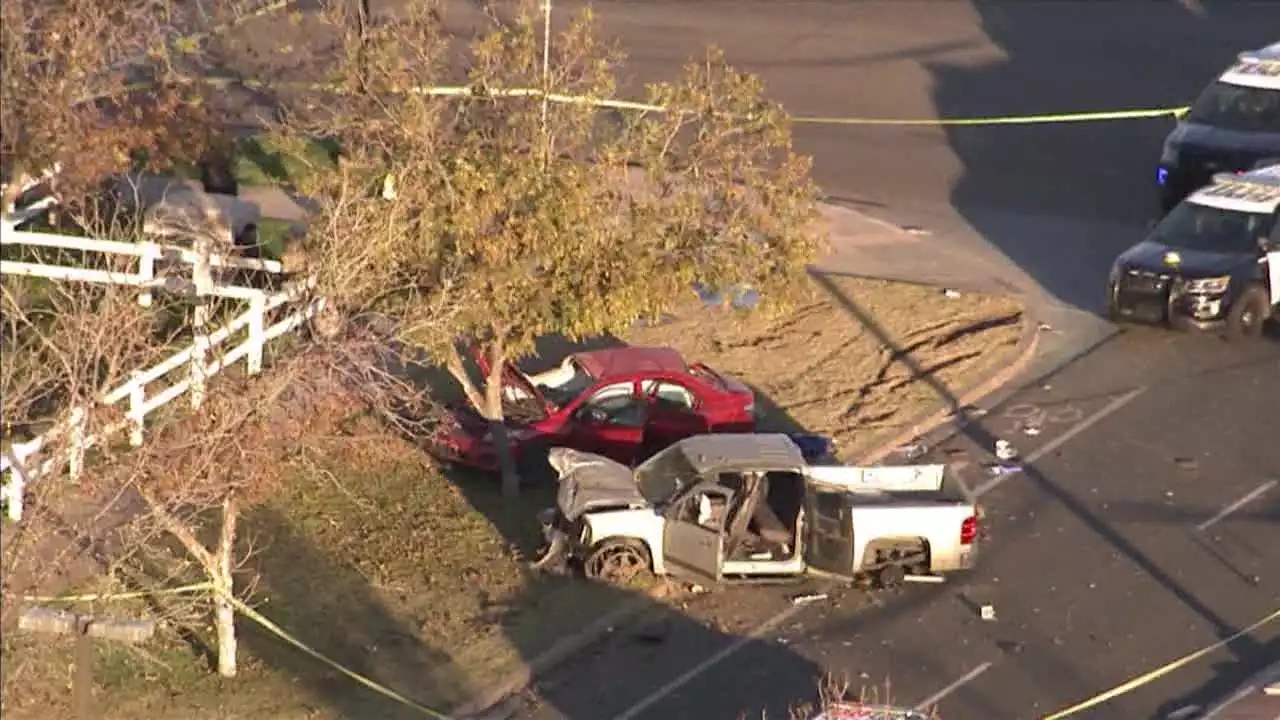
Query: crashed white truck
point(748, 507)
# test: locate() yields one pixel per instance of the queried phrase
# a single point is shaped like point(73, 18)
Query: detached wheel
point(617, 562)
point(1248, 314)
point(891, 576)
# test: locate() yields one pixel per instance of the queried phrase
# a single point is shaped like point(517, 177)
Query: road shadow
point(1061, 200)
point(1256, 667)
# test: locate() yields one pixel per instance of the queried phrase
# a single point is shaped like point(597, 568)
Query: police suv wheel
point(1248, 313)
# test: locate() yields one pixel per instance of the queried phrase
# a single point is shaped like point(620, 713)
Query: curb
point(503, 701)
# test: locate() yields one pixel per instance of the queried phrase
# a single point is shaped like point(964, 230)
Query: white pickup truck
point(748, 506)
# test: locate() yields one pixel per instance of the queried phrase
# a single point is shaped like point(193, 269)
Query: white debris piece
point(987, 612)
point(806, 599)
point(1005, 451)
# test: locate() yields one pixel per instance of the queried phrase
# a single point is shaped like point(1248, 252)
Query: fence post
point(199, 353)
point(13, 491)
point(137, 408)
point(257, 332)
point(203, 277)
point(76, 442)
point(147, 271)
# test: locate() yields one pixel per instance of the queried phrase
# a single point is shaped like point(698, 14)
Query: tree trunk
point(497, 422)
point(489, 405)
point(224, 613)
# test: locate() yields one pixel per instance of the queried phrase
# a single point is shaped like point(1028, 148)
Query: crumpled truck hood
point(592, 482)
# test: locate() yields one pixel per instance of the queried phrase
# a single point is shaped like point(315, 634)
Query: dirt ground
point(858, 368)
point(418, 580)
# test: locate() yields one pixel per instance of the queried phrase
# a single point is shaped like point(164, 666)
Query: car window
point(1209, 229)
point(669, 394)
point(1235, 107)
point(616, 404)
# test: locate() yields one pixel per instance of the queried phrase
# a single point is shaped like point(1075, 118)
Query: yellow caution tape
point(1160, 672)
point(464, 91)
point(279, 632)
point(1072, 117)
point(197, 587)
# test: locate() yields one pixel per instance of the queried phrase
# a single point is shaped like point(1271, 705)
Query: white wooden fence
point(184, 372)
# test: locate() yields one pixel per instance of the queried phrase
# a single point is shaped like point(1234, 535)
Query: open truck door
point(828, 531)
point(694, 533)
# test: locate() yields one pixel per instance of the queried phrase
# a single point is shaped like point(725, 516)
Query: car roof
point(1254, 191)
point(743, 451)
point(1255, 68)
point(612, 362)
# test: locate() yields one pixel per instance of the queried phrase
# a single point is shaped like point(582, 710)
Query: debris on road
point(1031, 430)
point(1005, 451)
point(1189, 464)
point(953, 294)
point(987, 612)
point(998, 469)
point(923, 578)
point(915, 230)
point(911, 451)
point(809, 598)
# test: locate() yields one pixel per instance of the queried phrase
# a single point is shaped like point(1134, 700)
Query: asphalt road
point(1095, 563)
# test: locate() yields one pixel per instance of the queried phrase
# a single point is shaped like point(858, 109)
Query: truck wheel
point(1248, 314)
point(617, 561)
point(890, 576)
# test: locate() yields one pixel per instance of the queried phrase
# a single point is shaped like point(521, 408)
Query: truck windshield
point(663, 474)
point(1209, 229)
point(1234, 107)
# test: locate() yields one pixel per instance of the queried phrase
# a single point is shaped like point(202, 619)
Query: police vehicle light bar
point(1256, 69)
point(1256, 186)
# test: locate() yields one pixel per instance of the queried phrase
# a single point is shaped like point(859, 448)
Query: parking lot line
point(1253, 495)
point(960, 682)
point(1064, 438)
point(653, 697)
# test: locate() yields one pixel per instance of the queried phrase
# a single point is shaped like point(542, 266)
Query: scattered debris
point(1187, 463)
point(953, 294)
point(697, 589)
point(1005, 451)
point(912, 450)
point(997, 469)
point(987, 612)
point(915, 230)
point(1031, 430)
point(806, 599)
point(1045, 327)
point(923, 578)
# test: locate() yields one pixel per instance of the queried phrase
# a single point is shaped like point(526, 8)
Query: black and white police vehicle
point(1212, 262)
point(1233, 126)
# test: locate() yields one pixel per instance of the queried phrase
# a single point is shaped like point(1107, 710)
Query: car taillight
point(969, 530)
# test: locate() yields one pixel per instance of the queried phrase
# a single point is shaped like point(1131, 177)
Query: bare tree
point(475, 221)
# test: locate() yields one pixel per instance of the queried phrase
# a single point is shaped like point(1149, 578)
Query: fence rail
point(187, 370)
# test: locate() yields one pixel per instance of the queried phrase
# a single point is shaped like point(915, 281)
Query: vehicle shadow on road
point(1228, 679)
point(1061, 200)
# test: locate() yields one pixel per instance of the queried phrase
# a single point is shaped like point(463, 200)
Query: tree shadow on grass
point(338, 612)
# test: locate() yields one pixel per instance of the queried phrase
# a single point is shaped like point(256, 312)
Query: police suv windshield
point(1210, 229)
point(1235, 107)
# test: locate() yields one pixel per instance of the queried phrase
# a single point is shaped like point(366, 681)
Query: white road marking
point(1254, 495)
point(960, 682)
point(1063, 439)
point(707, 664)
point(1240, 695)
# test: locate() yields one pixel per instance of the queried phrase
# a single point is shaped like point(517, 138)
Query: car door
point(674, 414)
point(609, 421)
point(693, 535)
point(828, 532)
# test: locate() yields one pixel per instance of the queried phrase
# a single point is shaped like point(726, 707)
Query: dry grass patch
point(824, 370)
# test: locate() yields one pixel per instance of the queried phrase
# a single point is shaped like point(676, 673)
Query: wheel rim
point(618, 564)
point(1248, 318)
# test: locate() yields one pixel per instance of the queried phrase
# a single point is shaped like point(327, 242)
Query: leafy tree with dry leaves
point(490, 220)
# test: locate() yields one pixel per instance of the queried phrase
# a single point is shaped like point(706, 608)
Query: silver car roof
point(741, 451)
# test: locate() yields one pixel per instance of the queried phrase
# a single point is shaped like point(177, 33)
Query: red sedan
point(625, 403)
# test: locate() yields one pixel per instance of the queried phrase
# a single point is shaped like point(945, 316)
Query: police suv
point(1233, 126)
point(1212, 262)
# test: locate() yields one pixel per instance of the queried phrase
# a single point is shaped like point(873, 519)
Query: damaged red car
point(625, 403)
